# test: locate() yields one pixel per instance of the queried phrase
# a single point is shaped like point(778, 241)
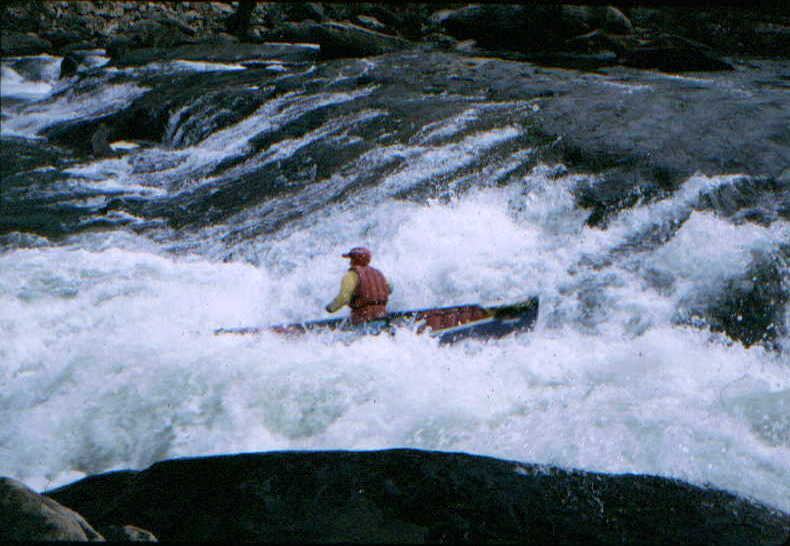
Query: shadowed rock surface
point(122, 27)
point(414, 496)
point(26, 516)
point(642, 132)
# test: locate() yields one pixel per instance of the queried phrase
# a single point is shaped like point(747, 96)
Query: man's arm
point(347, 286)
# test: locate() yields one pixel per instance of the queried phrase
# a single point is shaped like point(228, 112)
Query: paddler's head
point(358, 256)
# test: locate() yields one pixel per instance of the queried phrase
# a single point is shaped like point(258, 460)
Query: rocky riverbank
point(665, 38)
point(391, 496)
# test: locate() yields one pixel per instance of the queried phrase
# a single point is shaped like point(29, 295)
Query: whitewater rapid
point(109, 361)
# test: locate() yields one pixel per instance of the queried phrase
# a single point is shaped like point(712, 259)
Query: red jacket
point(369, 300)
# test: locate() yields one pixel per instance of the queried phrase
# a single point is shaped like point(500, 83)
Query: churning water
point(108, 358)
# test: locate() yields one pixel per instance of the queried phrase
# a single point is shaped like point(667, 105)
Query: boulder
point(100, 141)
point(415, 496)
point(62, 38)
point(493, 26)
point(730, 30)
point(664, 52)
point(303, 11)
point(670, 53)
point(750, 308)
point(94, 495)
point(69, 65)
point(340, 40)
point(27, 516)
point(238, 23)
point(160, 32)
point(529, 27)
point(616, 22)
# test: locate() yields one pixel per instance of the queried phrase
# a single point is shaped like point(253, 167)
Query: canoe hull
point(448, 324)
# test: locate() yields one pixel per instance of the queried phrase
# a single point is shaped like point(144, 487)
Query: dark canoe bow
point(449, 324)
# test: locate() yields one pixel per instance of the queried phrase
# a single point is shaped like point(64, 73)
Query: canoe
point(449, 324)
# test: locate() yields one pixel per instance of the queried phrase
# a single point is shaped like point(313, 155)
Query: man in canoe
point(363, 288)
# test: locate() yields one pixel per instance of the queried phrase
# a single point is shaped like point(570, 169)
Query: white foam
point(110, 360)
point(15, 86)
point(111, 364)
point(106, 99)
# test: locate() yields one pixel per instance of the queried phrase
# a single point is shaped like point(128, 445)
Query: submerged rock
point(406, 495)
point(749, 308)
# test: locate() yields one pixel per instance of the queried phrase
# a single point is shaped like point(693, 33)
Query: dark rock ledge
point(673, 39)
point(393, 496)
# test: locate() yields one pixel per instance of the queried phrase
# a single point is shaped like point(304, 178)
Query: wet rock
point(393, 19)
point(289, 32)
point(441, 40)
point(665, 52)
point(118, 46)
point(492, 26)
point(406, 495)
point(641, 132)
point(576, 19)
point(69, 65)
point(731, 30)
point(38, 69)
point(591, 42)
point(304, 11)
point(100, 141)
point(207, 107)
point(161, 32)
point(673, 54)
point(529, 27)
point(615, 21)
point(238, 23)
point(339, 40)
point(62, 38)
point(18, 43)
point(20, 154)
point(27, 516)
point(127, 533)
point(221, 51)
point(83, 135)
point(752, 309)
point(370, 23)
point(95, 495)
point(743, 197)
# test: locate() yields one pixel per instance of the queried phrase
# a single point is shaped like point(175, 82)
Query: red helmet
point(359, 255)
